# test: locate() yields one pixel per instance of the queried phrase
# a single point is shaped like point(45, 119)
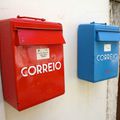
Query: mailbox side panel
point(7, 63)
point(86, 52)
point(41, 80)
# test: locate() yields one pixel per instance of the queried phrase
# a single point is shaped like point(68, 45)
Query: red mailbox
point(32, 62)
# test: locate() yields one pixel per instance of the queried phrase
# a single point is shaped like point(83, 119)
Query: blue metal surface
point(108, 36)
point(98, 51)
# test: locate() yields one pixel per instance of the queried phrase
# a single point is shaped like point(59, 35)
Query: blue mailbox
point(98, 51)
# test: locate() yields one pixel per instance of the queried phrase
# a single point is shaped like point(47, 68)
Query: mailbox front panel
point(39, 73)
point(106, 60)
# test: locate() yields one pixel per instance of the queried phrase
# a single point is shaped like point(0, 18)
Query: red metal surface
point(19, 40)
point(36, 37)
point(25, 17)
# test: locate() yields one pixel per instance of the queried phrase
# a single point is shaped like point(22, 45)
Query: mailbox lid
point(36, 37)
point(35, 31)
point(102, 27)
point(106, 28)
point(27, 23)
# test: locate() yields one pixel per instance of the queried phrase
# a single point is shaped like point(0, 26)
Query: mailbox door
point(106, 56)
point(39, 68)
point(106, 60)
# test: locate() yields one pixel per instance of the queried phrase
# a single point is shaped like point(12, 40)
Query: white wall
point(2, 112)
point(82, 100)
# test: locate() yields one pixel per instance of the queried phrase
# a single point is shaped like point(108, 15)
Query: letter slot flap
point(108, 36)
point(36, 37)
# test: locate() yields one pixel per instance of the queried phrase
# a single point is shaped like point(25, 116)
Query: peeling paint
point(112, 90)
point(112, 85)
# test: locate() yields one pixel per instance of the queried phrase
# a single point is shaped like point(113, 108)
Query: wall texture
point(113, 85)
point(115, 12)
point(82, 100)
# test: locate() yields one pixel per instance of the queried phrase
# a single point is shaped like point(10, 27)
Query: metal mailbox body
point(98, 51)
point(32, 62)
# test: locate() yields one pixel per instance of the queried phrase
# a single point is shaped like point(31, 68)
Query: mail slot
point(98, 46)
point(32, 62)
